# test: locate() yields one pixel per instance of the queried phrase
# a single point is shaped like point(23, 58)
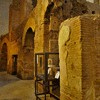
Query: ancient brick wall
point(97, 1)
point(70, 60)
point(88, 57)
point(44, 17)
point(79, 56)
point(26, 53)
point(19, 10)
point(4, 53)
point(18, 13)
point(58, 11)
point(93, 8)
point(97, 68)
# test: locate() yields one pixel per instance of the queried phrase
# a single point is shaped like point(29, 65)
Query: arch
point(28, 53)
point(29, 38)
point(30, 24)
point(50, 40)
point(4, 52)
point(46, 25)
point(48, 11)
point(5, 40)
point(34, 3)
point(96, 1)
point(27, 50)
point(3, 60)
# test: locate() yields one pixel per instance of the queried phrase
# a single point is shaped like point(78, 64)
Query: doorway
point(14, 64)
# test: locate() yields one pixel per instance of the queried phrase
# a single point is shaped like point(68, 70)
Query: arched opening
point(28, 55)
point(14, 64)
point(29, 43)
point(46, 26)
point(52, 18)
point(51, 40)
point(3, 65)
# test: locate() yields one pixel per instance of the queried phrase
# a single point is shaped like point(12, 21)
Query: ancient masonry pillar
point(77, 53)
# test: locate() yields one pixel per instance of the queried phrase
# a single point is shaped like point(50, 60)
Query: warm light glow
point(90, 1)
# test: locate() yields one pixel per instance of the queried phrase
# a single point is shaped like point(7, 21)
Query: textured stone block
point(79, 57)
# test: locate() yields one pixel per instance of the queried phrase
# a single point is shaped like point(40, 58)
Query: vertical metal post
point(35, 65)
point(46, 66)
point(46, 72)
point(36, 75)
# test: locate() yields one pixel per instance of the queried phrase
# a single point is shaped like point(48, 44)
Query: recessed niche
point(93, 12)
point(65, 1)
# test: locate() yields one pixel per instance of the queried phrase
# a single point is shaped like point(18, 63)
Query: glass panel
point(40, 64)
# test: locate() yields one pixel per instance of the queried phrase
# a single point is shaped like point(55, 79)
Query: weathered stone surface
point(78, 49)
point(34, 28)
point(70, 60)
point(44, 18)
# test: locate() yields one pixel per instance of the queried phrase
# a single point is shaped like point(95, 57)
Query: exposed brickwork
point(70, 60)
point(35, 28)
point(44, 20)
point(79, 56)
point(88, 57)
point(4, 49)
point(97, 68)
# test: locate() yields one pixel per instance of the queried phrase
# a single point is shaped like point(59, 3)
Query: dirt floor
point(13, 88)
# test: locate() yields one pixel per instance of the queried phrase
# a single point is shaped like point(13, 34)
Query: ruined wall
point(19, 10)
point(72, 8)
point(56, 12)
point(4, 53)
point(93, 8)
point(26, 50)
point(13, 51)
point(53, 18)
point(70, 60)
point(79, 58)
point(35, 22)
point(43, 35)
point(97, 68)
point(44, 18)
point(88, 57)
point(6, 56)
